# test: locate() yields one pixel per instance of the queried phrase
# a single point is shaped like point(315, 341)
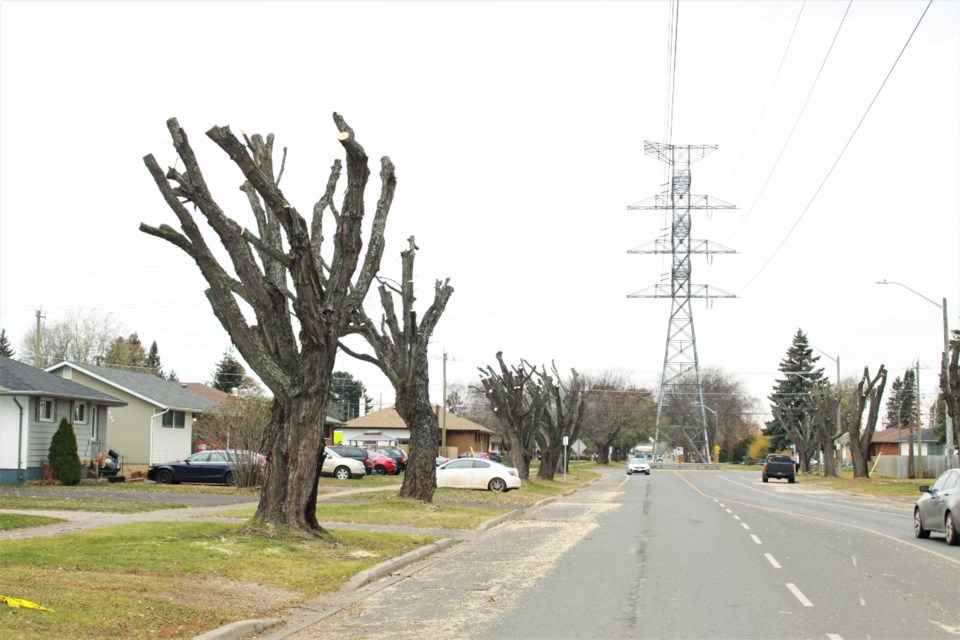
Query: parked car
point(357, 453)
point(938, 509)
point(638, 464)
point(341, 467)
point(399, 456)
point(483, 455)
point(441, 460)
point(382, 464)
point(474, 473)
point(204, 466)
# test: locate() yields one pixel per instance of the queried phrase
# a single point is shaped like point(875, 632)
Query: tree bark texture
point(518, 411)
point(301, 300)
point(869, 393)
point(400, 348)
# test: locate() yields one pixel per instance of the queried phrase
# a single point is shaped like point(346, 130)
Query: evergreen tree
point(126, 353)
point(229, 373)
point(172, 376)
point(348, 392)
point(153, 360)
point(5, 348)
point(63, 457)
point(791, 395)
point(902, 404)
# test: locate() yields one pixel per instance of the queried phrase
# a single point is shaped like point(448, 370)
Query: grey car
point(938, 509)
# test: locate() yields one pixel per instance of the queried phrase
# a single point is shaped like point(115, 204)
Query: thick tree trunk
point(520, 455)
point(550, 460)
point(420, 478)
point(289, 495)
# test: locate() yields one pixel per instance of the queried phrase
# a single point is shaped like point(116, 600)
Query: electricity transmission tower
point(681, 416)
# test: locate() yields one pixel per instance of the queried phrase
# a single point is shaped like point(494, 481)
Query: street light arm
point(937, 305)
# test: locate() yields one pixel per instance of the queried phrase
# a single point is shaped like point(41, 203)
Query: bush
point(63, 456)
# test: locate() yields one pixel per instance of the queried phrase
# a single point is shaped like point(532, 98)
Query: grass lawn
point(103, 505)
point(151, 487)
point(872, 486)
point(16, 521)
point(174, 580)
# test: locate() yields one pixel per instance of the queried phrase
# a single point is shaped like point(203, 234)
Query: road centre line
point(755, 538)
point(834, 636)
point(854, 558)
point(772, 560)
point(745, 526)
point(736, 517)
point(912, 545)
point(799, 595)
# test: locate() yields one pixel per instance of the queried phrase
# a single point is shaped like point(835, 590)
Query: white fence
point(898, 466)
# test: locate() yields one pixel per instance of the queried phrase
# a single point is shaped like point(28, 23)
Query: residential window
point(80, 412)
point(46, 410)
point(173, 420)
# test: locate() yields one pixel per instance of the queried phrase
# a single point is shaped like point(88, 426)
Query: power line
point(842, 151)
point(795, 123)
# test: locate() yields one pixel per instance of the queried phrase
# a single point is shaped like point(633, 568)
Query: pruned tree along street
point(302, 292)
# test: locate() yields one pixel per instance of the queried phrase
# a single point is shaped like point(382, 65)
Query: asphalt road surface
point(694, 554)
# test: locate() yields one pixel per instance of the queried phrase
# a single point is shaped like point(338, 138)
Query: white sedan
point(638, 464)
point(475, 473)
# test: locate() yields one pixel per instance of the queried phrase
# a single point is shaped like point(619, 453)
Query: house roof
point(146, 386)
point(210, 393)
point(19, 379)
point(390, 419)
point(902, 435)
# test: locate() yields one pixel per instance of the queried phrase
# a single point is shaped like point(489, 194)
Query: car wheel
point(647, 472)
point(342, 473)
point(229, 479)
point(792, 479)
point(498, 485)
point(950, 528)
point(380, 470)
point(628, 471)
point(165, 476)
point(918, 529)
point(765, 478)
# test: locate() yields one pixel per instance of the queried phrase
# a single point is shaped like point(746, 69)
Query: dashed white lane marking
point(745, 526)
point(799, 595)
point(773, 561)
point(755, 538)
point(863, 602)
point(854, 558)
point(736, 517)
point(729, 510)
point(834, 636)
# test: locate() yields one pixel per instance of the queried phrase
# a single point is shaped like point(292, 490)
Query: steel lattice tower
point(680, 410)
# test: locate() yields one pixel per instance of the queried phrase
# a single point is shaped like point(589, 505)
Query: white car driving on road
point(638, 464)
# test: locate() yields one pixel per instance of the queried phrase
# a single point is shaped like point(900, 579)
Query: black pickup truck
point(779, 466)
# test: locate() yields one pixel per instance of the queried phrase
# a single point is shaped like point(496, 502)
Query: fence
point(898, 466)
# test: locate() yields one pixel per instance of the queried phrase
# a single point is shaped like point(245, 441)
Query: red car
point(382, 464)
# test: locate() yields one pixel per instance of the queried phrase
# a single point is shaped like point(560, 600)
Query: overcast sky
point(517, 130)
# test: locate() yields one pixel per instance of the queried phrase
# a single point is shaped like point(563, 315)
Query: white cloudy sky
point(517, 130)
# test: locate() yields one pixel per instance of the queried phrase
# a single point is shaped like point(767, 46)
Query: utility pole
point(919, 438)
point(687, 420)
point(36, 348)
point(443, 419)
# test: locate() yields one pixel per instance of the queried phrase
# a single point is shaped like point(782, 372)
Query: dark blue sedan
point(204, 466)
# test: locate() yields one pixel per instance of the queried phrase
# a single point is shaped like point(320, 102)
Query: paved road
point(672, 555)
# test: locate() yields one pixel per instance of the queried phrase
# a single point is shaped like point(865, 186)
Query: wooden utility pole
point(919, 474)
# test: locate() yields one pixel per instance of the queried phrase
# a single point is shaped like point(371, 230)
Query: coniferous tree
point(791, 395)
point(229, 373)
point(126, 353)
point(5, 348)
point(153, 360)
point(172, 376)
point(350, 392)
point(64, 460)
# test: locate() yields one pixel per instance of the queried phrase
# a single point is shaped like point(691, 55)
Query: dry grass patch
point(874, 486)
point(175, 580)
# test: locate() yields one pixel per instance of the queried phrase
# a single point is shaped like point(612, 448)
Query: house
point(32, 403)
point(387, 427)
point(212, 394)
point(156, 423)
point(897, 442)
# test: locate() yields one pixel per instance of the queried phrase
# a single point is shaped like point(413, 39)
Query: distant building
point(387, 427)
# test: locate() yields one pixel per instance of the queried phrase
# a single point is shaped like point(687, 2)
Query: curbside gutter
point(240, 630)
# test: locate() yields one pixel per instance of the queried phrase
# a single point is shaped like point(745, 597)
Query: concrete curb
point(239, 630)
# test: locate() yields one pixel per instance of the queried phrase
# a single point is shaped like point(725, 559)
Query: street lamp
point(946, 350)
